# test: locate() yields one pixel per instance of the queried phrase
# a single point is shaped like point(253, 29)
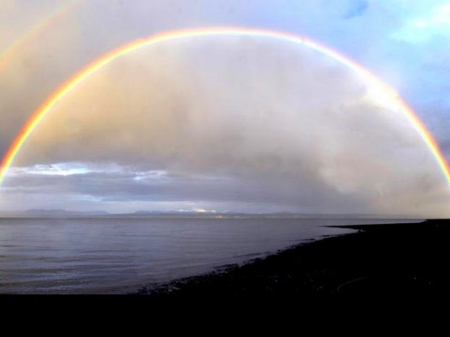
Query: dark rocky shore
point(391, 259)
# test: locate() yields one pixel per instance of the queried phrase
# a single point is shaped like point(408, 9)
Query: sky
point(226, 123)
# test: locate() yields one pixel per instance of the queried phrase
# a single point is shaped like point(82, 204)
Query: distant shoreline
point(65, 214)
point(403, 258)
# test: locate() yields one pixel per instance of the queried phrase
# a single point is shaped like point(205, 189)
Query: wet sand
point(393, 259)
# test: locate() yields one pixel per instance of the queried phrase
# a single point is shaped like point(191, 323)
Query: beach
point(387, 259)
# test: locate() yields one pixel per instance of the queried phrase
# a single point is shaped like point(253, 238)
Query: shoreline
point(401, 258)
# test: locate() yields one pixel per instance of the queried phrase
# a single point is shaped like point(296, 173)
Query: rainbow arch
point(98, 64)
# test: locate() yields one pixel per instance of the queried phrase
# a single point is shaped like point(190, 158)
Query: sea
point(120, 255)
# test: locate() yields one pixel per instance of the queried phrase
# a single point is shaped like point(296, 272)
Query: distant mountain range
point(181, 213)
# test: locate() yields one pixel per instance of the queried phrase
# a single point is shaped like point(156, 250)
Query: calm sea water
point(120, 255)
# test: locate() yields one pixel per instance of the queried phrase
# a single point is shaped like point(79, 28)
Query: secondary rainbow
point(371, 80)
point(10, 53)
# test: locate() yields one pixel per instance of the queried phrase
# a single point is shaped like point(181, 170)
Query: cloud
point(356, 8)
point(20, 18)
point(418, 30)
point(232, 120)
point(154, 189)
point(272, 142)
point(91, 29)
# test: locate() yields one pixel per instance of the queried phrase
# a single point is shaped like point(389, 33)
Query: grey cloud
point(288, 124)
point(122, 187)
point(93, 28)
point(269, 114)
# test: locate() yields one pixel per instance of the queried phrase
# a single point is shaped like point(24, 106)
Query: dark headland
point(406, 259)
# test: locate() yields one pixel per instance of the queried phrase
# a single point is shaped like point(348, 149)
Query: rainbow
point(371, 80)
point(9, 53)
